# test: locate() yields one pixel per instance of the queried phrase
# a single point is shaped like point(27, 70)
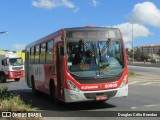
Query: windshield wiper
point(99, 53)
point(103, 65)
point(100, 57)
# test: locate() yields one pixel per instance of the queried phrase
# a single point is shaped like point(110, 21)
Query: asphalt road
point(145, 70)
point(144, 95)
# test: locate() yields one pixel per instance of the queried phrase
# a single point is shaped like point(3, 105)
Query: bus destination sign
point(93, 34)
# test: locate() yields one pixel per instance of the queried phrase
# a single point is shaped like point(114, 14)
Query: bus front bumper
point(15, 74)
point(79, 96)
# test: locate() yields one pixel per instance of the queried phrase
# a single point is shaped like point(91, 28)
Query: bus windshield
point(95, 57)
point(15, 61)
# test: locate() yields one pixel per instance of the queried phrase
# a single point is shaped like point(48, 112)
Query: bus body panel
point(99, 86)
point(73, 96)
point(112, 88)
point(43, 73)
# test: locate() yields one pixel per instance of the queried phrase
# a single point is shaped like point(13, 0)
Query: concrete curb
point(144, 65)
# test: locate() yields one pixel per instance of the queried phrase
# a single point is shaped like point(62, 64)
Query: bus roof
point(48, 37)
point(91, 28)
point(60, 32)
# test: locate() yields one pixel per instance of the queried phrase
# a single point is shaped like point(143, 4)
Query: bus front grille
point(108, 94)
point(17, 73)
point(93, 80)
point(97, 80)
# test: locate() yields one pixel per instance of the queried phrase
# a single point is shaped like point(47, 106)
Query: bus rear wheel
point(2, 78)
point(17, 79)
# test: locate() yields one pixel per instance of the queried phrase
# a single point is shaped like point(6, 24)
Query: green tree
point(145, 56)
point(23, 51)
point(129, 53)
point(158, 52)
point(137, 55)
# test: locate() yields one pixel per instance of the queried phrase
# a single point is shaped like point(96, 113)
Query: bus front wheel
point(34, 91)
point(2, 78)
point(53, 93)
point(52, 90)
point(17, 79)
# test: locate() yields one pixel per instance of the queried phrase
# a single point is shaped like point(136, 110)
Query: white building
point(149, 49)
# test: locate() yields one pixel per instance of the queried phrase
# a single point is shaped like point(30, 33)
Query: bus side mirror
point(62, 51)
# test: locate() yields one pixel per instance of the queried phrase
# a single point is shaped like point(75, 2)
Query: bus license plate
point(101, 97)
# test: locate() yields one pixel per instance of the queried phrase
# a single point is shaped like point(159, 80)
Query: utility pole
point(132, 45)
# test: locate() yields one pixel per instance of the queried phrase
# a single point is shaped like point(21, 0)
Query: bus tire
point(52, 90)
point(52, 93)
point(2, 78)
point(102, 101)
point(34, 91)
point(17, 79)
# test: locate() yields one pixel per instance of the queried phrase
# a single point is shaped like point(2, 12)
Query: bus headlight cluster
point(72, 86)
point(124, 81)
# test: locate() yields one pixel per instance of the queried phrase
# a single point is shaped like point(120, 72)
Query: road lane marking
point(148, 83)
point(150, 105)
point(145, 106)
point(144, 83)
point(133, 108)
point(133, 82)
point(144, 79)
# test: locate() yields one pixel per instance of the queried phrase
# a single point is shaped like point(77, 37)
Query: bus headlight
point(124, 81)
point(72, 86)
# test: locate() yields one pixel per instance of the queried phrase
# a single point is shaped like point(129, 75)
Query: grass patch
point(3, 90)
point(133, 74)
point(13, 102)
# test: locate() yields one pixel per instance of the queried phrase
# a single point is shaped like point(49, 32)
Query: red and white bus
point(78, 64)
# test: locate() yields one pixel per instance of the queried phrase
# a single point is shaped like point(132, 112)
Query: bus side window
point(32, 53)
point(43, 53)
point(49, 52)
point(37, 54)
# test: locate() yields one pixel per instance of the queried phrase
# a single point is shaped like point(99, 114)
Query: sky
point(29, 20)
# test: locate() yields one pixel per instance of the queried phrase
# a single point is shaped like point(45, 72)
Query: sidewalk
point(147, 64)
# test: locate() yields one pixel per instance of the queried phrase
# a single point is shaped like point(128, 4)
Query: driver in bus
point(78, 51)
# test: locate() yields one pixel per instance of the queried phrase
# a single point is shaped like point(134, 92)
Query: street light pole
point(132, 45)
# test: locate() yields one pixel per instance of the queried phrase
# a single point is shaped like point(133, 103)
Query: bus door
point(60, 72)
point(27, 62)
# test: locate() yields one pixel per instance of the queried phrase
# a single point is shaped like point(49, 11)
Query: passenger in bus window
point(88, 56)
point(77, 58)
point(79, 52)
